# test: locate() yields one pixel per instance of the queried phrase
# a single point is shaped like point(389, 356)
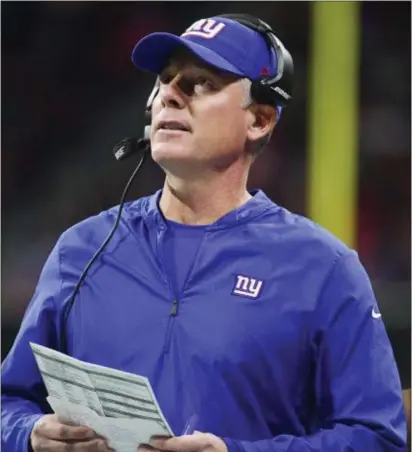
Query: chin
point(170, 151)
point(175, 159)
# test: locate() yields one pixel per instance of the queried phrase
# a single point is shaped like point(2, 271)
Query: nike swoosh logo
point(376, 315)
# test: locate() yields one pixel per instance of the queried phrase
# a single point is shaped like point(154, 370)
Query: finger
point(60, 431)
point(146, 448)
point(185, 443)
point(51, 445)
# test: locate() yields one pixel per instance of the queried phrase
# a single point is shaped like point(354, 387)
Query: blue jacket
point(275, 343)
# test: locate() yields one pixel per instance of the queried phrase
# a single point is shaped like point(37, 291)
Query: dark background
point(70, 92)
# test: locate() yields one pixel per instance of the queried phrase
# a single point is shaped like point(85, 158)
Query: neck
point(203, 201)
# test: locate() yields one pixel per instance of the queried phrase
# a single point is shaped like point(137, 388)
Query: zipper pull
point(173, 311)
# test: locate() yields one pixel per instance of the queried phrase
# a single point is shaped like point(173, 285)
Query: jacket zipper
point(175, 306)
point(173, 313)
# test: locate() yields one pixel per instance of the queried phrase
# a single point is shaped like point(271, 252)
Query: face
point(198, 117)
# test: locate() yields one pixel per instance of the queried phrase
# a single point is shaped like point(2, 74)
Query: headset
point(275, 90)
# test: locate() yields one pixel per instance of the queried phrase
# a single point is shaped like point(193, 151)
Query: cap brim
point(152, 53)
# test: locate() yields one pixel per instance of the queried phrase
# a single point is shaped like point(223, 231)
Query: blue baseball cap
point(220, 42)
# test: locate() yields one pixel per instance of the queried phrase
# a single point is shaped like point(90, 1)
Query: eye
point(166, 77)
point(205, 82)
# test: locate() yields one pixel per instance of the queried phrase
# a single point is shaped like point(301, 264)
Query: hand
point(49, 434)
point(204, 442)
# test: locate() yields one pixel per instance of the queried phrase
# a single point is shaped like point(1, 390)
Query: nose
point(171, 94)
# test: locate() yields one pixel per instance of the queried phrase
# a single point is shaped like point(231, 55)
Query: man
point(254, 319)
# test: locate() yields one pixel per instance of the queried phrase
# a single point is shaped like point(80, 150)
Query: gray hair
point(261, 143)
point(247, 94)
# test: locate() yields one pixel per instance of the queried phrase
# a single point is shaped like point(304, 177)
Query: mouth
point(173, 126)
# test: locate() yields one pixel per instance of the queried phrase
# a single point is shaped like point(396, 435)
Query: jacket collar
point(255, 206)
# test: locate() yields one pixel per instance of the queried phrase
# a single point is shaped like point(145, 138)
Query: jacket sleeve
point(23, 395)
point(357, 385)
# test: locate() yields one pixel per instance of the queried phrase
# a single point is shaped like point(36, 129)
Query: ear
point(264, 121)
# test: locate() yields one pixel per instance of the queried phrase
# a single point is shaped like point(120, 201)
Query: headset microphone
point(122, 150)
point(128, 147)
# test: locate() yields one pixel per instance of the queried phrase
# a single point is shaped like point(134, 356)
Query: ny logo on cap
point(205, 28)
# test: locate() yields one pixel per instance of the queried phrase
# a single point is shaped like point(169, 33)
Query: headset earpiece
point(275, 90)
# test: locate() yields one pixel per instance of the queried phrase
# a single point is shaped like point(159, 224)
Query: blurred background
point(70, 93)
